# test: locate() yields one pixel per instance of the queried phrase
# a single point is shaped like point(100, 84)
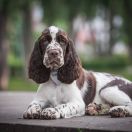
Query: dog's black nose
point(53, 53)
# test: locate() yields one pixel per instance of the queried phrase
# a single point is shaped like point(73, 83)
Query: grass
point(21, 84)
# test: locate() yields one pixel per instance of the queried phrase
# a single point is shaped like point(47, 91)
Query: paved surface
point(12, 105)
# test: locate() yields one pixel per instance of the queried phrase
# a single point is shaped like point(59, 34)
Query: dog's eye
point(61, 39)
point(47, 39)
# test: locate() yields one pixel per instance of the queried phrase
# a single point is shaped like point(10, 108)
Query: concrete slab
point(12, 105)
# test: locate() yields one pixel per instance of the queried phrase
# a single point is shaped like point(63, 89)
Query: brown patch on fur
point(71, 69)
point(62, 37)
point(80, 80)
point(121, 84)
point(63, 34)
point(90, 94)
point(36, 70)
point(43, 39)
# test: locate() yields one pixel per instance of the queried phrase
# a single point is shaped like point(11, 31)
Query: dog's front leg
point(39, 102)
point(64, 111)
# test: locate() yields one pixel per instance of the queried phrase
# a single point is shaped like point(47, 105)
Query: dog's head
point(54, 50)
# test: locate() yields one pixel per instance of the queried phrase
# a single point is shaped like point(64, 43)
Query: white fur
point(114, 96)
point(53, 30)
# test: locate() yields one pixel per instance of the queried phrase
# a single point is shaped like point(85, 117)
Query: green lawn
point(21, 84)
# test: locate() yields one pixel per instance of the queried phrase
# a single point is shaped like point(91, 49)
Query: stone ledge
point(12, 105)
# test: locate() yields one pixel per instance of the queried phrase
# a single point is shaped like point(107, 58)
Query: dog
point(66, 89)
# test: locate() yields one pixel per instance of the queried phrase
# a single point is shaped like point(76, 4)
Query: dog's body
point(66, 89)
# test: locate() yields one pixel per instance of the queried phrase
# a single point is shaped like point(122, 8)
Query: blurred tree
point(67, 10)
point(57, 10)
point(54, 10)
point(110, 9)
point(70, 9)
point(86, 8)
point(50, 10)
point(4, 13)
point(109, 17)
point(127, 15)
point(27, 29)
point(7, 9)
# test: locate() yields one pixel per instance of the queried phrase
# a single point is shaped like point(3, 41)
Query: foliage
point(21, 84)
point(102, 63)
point(117, 65)
point(67, 10)
point(15, 65)
point(62, 13)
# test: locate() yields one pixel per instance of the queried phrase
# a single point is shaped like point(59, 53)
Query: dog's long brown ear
point(71, 69)
point(36, 70)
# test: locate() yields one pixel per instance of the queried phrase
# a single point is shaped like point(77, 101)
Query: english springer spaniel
point(66, 89)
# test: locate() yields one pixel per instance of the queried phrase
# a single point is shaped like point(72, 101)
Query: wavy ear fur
point(36, 70)
point(71, 69)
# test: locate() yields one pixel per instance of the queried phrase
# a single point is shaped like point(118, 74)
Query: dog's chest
point(56, 92)
point(59, 93)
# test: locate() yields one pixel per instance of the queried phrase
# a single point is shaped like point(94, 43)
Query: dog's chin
point(54, 65)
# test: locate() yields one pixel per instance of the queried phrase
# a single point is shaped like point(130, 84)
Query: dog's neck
point(53, 76)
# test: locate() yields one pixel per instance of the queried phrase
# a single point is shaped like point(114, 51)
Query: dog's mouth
point(53, 64)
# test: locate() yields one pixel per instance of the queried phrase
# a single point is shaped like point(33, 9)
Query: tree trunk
point(111, 39)
point(127, 23)
point(3, 51)
point(27, 33)
point(130, 50)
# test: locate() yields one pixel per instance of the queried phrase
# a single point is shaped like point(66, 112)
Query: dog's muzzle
point(53, 59)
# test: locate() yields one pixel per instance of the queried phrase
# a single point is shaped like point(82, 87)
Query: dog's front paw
point(118, 111)
point(97, 109)
point(91, 109)
point(50, 113)
point(33, 112)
